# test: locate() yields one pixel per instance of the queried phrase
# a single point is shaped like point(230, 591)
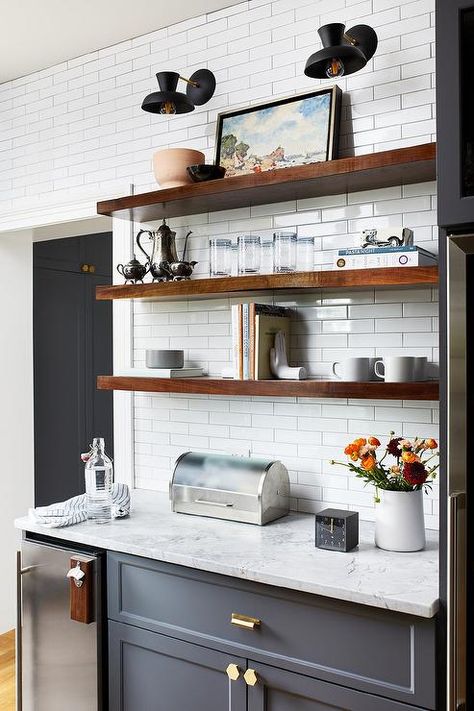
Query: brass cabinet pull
point(251, 677)
point(233, 672)
point(245, 622)
point(88, 268)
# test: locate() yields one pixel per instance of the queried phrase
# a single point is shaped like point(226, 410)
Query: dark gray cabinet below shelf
point(309, 653)
point(151, 672)
point(279, 690)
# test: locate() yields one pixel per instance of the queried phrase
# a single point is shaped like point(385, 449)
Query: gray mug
point(421, 368)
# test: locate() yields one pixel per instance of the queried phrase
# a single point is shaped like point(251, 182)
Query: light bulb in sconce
point(168, 107)
point(335, 68)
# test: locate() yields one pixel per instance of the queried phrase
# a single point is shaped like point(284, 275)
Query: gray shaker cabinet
point(151, 672)
point(279, 690)
point(171, 641)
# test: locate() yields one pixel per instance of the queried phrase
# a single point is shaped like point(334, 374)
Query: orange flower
point(354, 456)
point(368, 462)
point(360, 442)
point(374, 441)
point(409, 457)
point(431, 443)
point(349, 449)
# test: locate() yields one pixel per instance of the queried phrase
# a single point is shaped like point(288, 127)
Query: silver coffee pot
point(165, 265)
point(163, 251)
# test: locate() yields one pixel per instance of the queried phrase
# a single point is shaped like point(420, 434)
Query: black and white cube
point(337, 530)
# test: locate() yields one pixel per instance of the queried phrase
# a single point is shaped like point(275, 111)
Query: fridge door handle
point(456, 602)
point(19, 632)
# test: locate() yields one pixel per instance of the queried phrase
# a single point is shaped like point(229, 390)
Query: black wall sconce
point(343, 52)
point(200, 88)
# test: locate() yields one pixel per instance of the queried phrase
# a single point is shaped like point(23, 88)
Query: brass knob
point(251, 677)
point(84, 268)
point(245, 622)
point(233, 672)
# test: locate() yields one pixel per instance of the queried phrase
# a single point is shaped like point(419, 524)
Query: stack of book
point(377, 257)
point(253, 336)
point(186, 372)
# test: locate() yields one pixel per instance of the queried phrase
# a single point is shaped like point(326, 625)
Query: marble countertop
point(281, 553)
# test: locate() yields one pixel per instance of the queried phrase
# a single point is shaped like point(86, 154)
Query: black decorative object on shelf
point(337, 530)
point(343, 52)
point(205, 171)
point(199, 90)
point(134, 271)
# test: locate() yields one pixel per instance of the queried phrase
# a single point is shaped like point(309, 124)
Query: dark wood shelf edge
point(330, 279)
point(411, 164)
point(427, 390)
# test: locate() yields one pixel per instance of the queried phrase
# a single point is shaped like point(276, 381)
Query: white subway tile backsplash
point(87, 133)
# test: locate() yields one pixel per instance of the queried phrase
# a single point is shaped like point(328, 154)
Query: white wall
point(305, 433)
point(76, 132)
point(16, 411)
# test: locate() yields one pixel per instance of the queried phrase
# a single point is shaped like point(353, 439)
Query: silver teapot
point(165, 265)
point(133, 271)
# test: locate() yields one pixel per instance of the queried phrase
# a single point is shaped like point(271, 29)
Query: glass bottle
point(99, 479)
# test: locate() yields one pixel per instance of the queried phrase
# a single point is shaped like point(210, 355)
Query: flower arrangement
point(415, 468)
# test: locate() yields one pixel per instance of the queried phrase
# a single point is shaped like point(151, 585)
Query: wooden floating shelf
point(428, 390)
point(401, 166)
point(228, 286)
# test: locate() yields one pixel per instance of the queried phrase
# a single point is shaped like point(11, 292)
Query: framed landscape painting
point(294, 131)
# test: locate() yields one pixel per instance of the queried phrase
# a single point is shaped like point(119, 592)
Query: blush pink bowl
point(170, 166)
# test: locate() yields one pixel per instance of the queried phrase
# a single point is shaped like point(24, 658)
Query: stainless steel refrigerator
point(59, 660)
point(458, 562)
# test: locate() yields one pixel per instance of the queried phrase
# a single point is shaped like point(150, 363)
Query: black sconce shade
point(200, 88)
point(343, 52)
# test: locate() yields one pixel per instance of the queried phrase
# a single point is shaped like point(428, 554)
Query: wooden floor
point(7, 671)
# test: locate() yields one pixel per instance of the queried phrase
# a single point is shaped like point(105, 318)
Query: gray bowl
point(164, 359)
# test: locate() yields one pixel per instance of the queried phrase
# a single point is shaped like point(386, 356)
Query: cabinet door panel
point(278, 690)
point(151, 672)
point(455, 112)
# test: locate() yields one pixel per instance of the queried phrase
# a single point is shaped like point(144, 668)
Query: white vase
point(400, 521)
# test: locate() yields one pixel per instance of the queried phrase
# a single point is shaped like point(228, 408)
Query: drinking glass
point(305, 254)
point(267, 256)
point(250, 254)
point(220, 263)
point(284, 252)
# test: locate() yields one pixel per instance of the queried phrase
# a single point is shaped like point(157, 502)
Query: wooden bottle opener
point(81, 582)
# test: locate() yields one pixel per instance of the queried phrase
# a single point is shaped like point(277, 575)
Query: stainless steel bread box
point(234, 488)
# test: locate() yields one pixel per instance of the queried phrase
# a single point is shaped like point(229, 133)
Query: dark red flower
point(394, 448)
point(414, 473)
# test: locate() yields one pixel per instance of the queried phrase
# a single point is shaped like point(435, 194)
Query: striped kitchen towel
point(67, 513)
